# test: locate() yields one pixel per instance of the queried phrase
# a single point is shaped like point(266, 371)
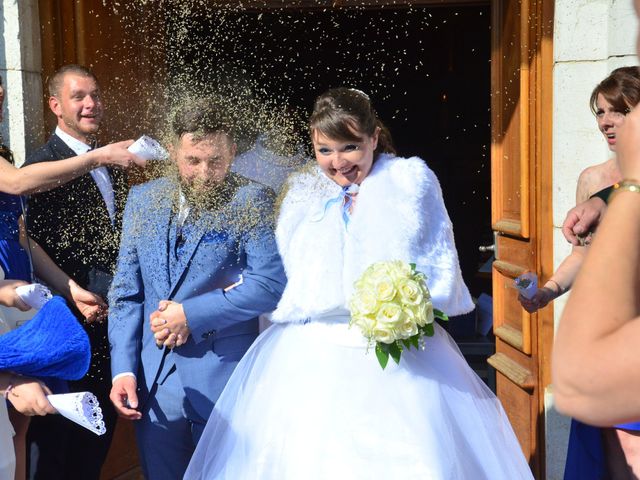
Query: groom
point(198, 263)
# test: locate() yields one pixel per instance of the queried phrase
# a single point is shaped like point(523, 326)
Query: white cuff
point(123, 374)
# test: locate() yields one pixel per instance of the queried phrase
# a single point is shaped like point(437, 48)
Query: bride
point(308, 400)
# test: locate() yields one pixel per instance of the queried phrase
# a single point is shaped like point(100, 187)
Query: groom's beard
point(203, 196)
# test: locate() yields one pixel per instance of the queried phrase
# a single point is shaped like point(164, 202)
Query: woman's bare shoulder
point(594, 178)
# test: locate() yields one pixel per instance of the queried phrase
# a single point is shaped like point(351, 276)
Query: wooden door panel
point(519, 411)
point(512, 324)
point(521, 63)
point(509, 106)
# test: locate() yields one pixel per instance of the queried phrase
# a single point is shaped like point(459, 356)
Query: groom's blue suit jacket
point(220, 246)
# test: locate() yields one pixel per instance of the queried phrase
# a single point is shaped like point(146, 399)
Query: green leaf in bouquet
point(395, 351)
point(407, 342)
point(382, 354)
point(429, 330)
point(413, 267)
point(415, 341)
point(440, 314)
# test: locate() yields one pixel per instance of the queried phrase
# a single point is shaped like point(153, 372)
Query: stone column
point(20, 67)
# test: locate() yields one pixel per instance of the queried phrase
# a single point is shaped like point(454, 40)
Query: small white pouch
point(148, 148)
point(12, 318)
point(35, 295)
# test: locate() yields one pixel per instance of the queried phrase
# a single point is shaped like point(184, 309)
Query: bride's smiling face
point(344, 161)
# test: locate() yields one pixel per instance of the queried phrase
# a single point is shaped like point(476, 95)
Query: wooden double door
point(95, 34)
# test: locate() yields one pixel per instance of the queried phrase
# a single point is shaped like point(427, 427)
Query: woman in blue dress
point(597, 453)
point(17, 267)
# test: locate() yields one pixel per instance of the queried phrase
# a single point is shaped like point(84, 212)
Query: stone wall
point(20, 67)
point(591, 38)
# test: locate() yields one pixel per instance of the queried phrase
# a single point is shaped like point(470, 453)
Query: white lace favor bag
point(12, 318)
point(82, 408)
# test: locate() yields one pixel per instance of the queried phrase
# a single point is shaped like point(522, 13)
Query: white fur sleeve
point(302, 193)
point(435, 252)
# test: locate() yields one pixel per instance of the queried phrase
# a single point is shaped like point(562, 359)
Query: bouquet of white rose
point(392, 307)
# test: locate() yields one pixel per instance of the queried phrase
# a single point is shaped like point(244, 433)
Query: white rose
point(383, 335)
point(363, 284)
point(410, 292)
point(365, 323)
point(423, 313)
point(390, 314)
point(428, 309)
point(409, 328)
point(399, 270)
point(364, 302)
point(376, 271)
point(385, 289)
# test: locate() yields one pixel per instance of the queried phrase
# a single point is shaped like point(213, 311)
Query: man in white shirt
point(78, 225)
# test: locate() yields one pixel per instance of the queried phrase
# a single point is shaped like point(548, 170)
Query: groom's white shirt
point(100, 175)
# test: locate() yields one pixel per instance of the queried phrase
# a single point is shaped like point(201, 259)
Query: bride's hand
point(92, 307)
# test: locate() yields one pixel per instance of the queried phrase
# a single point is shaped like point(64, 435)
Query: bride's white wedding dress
point(309, 402)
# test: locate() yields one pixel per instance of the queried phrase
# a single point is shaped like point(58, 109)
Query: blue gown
point(13, 258)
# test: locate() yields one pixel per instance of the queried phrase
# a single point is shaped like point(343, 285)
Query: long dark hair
point(341, 113)
point(621, 89)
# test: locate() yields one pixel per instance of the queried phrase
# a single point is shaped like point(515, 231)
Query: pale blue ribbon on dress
point(346, 198)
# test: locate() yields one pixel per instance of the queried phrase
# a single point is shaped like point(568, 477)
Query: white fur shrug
point(399, 215)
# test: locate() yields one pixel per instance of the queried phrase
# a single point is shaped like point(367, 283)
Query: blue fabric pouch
point(51, 344)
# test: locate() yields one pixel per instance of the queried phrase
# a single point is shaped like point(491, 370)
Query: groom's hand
point(169, 324)
point(125, 397)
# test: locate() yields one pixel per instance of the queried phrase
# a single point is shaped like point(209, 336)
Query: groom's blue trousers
point(168, 431)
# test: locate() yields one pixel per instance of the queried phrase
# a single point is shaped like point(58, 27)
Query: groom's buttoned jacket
point(193, 264)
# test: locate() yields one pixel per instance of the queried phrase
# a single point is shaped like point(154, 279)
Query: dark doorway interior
point(426, 69)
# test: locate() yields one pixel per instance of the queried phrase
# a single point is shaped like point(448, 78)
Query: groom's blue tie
point(184, 233)
point(181, 235)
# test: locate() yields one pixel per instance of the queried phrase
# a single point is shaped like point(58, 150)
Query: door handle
point(491, 248)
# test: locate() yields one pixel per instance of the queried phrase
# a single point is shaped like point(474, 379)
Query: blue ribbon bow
point(346, 198)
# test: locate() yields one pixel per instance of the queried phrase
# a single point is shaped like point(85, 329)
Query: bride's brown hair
point(341, 113)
